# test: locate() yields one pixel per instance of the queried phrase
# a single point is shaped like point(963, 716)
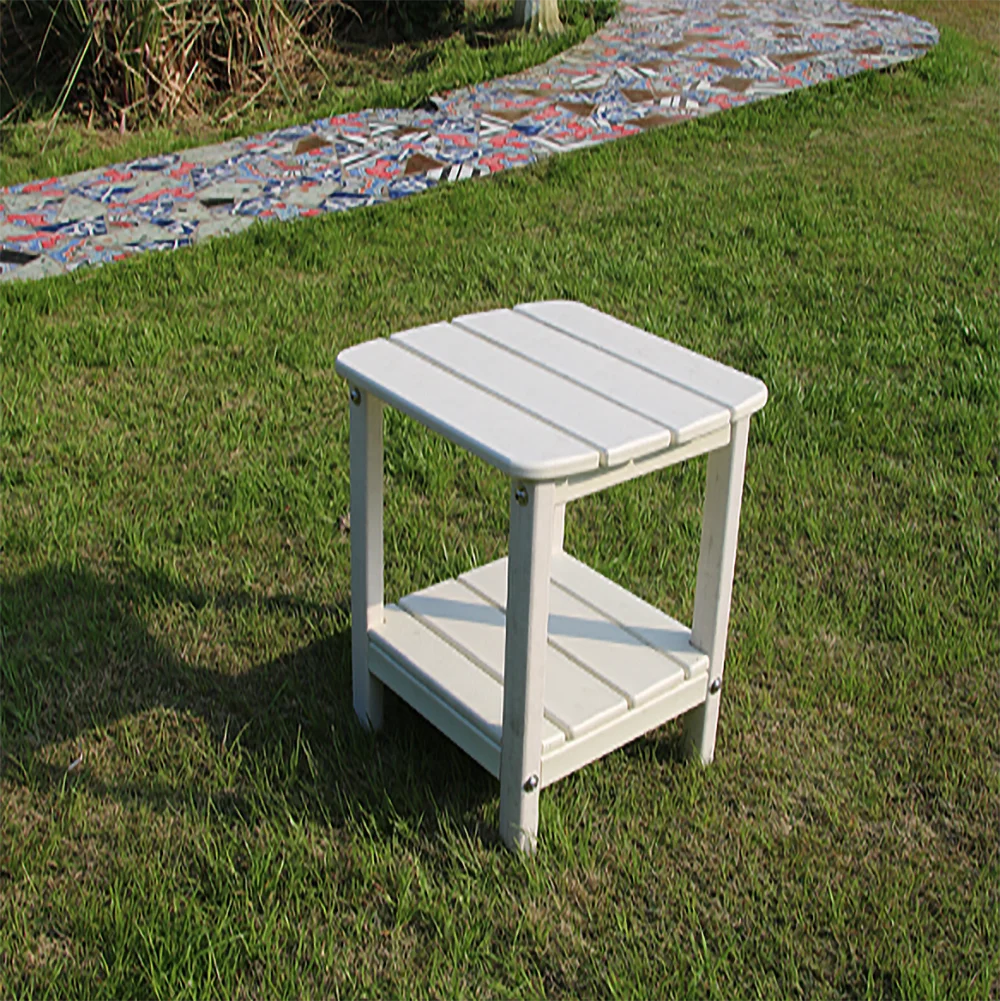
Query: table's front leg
point(531, 527)
point(714, 588)
point(366, 550)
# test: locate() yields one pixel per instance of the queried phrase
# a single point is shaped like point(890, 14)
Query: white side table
point(536, 664)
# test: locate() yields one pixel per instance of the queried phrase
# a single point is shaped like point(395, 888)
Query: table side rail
point(575, 754)
point(583, 484)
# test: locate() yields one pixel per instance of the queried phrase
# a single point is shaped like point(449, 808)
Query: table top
point(551, 389)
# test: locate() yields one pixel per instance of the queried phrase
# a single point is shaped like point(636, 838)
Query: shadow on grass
point(82, 669)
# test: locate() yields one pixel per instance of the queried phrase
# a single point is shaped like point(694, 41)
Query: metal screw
point(355, 395)
point(531, 783)
point(714, 687)
point(521, 496)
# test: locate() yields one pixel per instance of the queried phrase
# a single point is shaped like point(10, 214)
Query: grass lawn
point(188, 807)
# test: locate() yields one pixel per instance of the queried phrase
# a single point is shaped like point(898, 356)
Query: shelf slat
point(615, 667)
point(452, 676)
point(574, 700)
point(637, 616)
point(619, 658)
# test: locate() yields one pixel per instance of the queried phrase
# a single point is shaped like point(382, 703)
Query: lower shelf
point(616, 666)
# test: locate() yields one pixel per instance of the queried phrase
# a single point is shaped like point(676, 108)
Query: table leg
point(559, 528)
point(366, 550)
point(714, 588)
point(531, 529)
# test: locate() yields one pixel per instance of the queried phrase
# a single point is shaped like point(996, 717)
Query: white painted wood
point(741, 393)
point(451, 721)
point(573, 755)
point(618, 434)
point(506, 437)
point(638, 617)
point(559, 527)
point(547, 393)
point(687, 414)
point(366, 552)
point(443, 670)
point(461, 617)
point(531, 520)
point(620, 659)
point(584, 484)
point(404, 676)
point(714, 587)
point(574, 700)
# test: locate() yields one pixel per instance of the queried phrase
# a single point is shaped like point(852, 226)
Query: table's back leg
point(558, 527)
point(531, 530)
point(366, 550)
point(714, 588)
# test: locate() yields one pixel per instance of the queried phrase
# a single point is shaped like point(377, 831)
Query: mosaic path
point(654, 64)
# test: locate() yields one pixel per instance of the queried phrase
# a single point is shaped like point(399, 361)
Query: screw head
point(355, 395)
point(521, 496)
point(531, 783)
point(714, 687)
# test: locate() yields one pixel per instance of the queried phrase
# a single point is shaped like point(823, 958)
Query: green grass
point(175, 584)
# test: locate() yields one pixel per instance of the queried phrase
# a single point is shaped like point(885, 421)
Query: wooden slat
point(452, 676)
point(442, 669)
point(515, 442)
point(620, 659)
point(637, 616)
point(620, 434)
point(687, 414)
point(574, 487)
point(741, 393)
point(397, 673)
point(574, 700)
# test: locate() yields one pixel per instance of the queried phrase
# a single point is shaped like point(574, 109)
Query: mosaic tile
point(655, 64)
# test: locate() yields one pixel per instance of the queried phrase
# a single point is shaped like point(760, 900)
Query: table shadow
point(79, 661)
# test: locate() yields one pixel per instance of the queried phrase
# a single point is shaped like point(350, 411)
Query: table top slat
point(741, 393)
point(618, 433)
point(504, 435)
point(688, 415)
